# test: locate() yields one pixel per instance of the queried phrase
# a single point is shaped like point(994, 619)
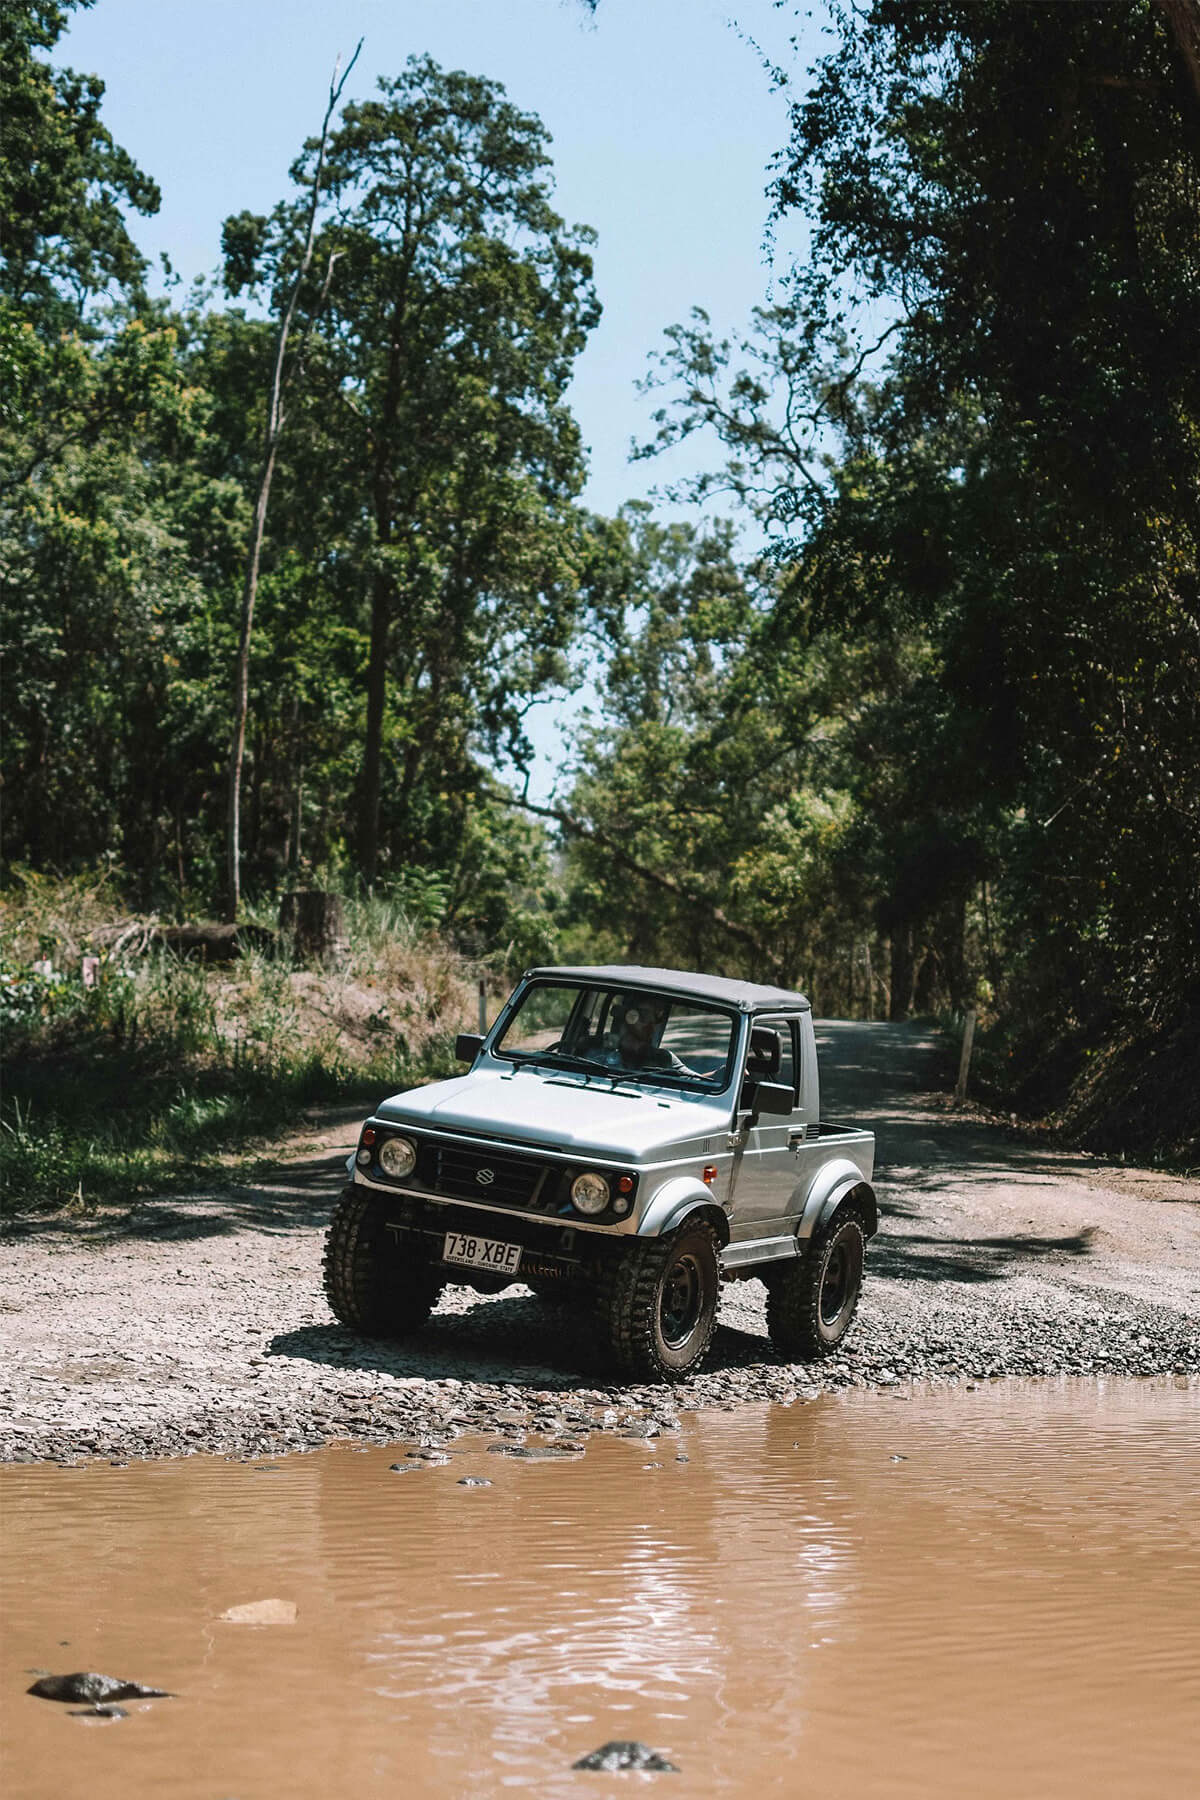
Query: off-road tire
point(811, 1302)
point(370, 1283)
point(657, 1304)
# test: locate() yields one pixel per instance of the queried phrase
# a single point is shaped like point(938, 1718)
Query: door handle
point(797, 1137)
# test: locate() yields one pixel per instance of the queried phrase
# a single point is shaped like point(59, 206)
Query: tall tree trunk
point(241, 676)
point(382, 590)
point(274, 430)
point(902, 972)
point(381, 619)
point(1183, 18)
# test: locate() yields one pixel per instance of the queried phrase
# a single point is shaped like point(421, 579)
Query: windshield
point(630, 1034)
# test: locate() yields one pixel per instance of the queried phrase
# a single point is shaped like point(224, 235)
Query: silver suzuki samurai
point(629, 1136)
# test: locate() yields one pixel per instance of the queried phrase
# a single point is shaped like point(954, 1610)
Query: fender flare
point(677, 1200)
point(838, 1182)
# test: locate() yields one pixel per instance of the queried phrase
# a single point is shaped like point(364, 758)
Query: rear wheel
point(811, 1303)
point(371, 1284)
point(658, 1304)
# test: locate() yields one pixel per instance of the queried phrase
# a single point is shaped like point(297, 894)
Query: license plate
point(481, 1253)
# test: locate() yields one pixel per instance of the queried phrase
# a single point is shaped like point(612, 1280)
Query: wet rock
point(622, 1754)
point(473, 1481)
point(98, 1712)
point(261, 1612)
point(433, 1459)
point(405, 1468)
point(94, 1689)
point(538, 1452)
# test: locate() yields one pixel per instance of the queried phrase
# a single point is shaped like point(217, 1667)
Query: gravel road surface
point(198, 1323)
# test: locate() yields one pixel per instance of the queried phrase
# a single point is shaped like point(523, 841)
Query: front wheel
point(370, 1284)
point(811, 1303)
point(658, 1304)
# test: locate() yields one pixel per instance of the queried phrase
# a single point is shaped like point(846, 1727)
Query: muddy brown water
point(925, 1592)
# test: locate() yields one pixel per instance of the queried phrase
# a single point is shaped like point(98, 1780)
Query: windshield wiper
point(582, 1062)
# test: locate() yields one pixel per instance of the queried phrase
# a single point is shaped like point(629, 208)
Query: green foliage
point(457, 301)
point(936, 740)
point(425, 566)
point(972, 427)
point(63, 181)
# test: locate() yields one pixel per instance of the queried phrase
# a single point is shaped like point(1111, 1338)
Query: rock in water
point(95, 1690)
point(620, 1754)
point(261, 1612)
point(98, 1712)
point(538, 1452)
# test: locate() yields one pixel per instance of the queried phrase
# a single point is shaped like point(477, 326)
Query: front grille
point(487, 1177)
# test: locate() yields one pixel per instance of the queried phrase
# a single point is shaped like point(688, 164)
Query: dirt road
point(197, 1323)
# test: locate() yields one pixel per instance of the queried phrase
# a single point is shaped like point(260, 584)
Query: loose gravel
point(198, 1324)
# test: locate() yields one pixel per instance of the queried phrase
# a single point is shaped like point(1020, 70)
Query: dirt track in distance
point(198, 1323)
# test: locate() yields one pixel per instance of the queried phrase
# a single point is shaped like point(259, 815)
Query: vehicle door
point(767, 1173)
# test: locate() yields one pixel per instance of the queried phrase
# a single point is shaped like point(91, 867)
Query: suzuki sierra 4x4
point(631, 1136)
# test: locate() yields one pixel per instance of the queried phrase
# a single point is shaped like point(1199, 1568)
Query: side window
point(773, 1052)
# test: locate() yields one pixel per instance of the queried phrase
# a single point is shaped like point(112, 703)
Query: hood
point(559, 1113)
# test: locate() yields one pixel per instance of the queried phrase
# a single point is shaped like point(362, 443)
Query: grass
point(164, 1074)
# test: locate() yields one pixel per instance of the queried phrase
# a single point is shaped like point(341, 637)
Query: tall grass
point(164, 1073)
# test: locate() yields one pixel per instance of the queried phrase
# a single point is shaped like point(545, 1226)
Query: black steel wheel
point(658, 1304)
point(371, 1284)
point(811, 1302)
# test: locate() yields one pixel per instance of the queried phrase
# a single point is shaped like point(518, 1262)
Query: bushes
point(160, 1072)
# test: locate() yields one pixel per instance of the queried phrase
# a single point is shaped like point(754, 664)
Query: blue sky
point(662, 117)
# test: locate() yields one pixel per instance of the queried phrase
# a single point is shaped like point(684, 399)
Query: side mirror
point(772, 1097)
point(467, 1046)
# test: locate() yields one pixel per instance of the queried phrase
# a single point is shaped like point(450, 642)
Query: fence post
point(964, 1067)
point(482, 1007)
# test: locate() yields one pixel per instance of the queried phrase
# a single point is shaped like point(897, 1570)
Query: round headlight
point(398, 1157)
point(589, 1193)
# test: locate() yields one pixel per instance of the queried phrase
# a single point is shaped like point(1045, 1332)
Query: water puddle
point(935, 1593)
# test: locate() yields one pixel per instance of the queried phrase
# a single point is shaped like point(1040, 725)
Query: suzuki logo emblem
point(485, 1177)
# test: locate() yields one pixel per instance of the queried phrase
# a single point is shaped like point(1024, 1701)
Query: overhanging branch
point(580, 828)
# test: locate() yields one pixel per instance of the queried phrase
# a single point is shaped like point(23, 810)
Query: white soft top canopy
point(747, 996)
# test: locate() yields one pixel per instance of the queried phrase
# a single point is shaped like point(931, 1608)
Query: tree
point(280, 374)
point(460, 304)
point(93, 420)
point(994, 351)
point(73, 361)
point(699, 770)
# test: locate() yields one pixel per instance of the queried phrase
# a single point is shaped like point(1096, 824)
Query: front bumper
point(419, 1223)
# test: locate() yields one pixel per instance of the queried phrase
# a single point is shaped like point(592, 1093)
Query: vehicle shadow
point(500, 1338)
point(504, 1341)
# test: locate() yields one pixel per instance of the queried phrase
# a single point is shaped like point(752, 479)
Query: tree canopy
point(916, 727)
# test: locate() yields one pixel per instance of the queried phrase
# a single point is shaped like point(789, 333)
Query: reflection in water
point(906, 1594)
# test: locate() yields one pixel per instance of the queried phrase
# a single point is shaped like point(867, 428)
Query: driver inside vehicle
point(637, 1022)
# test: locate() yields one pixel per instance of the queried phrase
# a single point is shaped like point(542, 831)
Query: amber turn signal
point(709, 1175)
